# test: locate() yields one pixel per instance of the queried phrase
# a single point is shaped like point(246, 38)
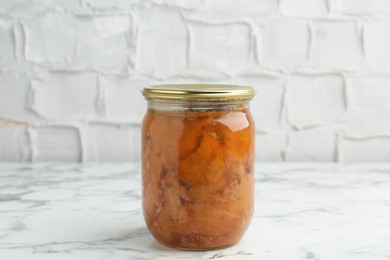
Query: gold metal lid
point(199, 92)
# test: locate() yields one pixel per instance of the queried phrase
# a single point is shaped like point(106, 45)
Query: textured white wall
point(71, 72)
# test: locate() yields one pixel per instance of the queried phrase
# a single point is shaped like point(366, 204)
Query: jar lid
point(199, 91)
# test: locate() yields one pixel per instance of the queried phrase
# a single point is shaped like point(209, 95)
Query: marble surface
point(93, 211)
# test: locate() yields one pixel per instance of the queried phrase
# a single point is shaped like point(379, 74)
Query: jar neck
point(196, 105)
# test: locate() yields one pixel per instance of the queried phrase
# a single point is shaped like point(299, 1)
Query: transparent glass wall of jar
point(197, 165)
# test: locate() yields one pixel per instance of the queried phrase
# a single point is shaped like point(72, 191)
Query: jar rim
point(199, 91)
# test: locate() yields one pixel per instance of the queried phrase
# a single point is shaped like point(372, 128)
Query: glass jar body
point(197, 172)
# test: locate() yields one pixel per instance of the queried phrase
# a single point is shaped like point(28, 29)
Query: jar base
point(202, 249)
point(196, 249)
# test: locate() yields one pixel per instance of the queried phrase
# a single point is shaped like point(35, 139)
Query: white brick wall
point(71, 73)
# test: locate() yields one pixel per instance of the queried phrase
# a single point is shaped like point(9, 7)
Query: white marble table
point(93, 211)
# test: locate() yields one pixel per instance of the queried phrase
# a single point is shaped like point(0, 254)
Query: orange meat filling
point(198, 177)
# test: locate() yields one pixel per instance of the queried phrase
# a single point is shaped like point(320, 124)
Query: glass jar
point(197, 164)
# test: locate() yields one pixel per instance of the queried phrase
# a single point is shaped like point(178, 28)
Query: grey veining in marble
point(93, 211)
